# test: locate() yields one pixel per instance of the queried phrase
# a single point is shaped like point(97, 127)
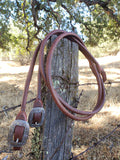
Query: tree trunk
point(57, 129)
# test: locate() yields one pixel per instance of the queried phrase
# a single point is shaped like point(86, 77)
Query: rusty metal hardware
point(19, 130)
point(16, 143)
point(37, 110)
point(37, 115)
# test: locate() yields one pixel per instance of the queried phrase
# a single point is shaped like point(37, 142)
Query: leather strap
point(44, 72)
point(19, 130)
point(37, 116)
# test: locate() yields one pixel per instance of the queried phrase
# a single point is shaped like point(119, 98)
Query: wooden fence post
point(57, 130)
point(57, 136)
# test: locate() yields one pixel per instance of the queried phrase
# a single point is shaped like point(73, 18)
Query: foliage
point(105, 48)
point(93, 20)
point(36, 140)
point(5, 13)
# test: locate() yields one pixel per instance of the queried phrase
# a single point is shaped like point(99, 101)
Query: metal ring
point(21, 123)
point(30, 118)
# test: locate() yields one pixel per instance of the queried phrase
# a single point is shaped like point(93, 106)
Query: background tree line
point(23, 23)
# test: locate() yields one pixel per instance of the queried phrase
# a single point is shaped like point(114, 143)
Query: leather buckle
point(33, 111)
point(20, 123)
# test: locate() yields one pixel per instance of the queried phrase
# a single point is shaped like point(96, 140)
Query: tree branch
point(80, 21)
point(111, 14)
point(26, 22)
point(54, 14)
point(35, 17)
point(35, 7)
point(68, 11)
point(34, 13)
point(101, 3)
point(105, 7)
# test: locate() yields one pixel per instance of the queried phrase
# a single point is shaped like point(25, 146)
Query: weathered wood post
point(57, 130)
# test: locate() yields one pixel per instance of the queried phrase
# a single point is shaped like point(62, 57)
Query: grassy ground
point(88, 133)
point(12, 79)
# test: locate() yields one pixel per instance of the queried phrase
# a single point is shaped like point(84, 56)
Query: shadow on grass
point(85, 133)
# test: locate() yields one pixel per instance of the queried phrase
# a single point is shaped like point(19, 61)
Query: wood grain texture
point(57, 136)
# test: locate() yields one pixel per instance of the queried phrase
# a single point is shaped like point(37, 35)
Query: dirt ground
point(12, 80)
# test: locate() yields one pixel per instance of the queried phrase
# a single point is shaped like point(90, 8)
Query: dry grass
point(88, 133)
point(12, 79)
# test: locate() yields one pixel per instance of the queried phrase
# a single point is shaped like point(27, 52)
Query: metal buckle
point(21, 123)
point(30, 118)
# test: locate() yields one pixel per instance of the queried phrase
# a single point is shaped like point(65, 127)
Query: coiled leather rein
point(19, 129)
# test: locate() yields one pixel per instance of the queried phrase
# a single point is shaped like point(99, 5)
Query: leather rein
point(19, 129)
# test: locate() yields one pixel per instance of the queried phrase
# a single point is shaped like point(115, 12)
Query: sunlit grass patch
point(85, 133)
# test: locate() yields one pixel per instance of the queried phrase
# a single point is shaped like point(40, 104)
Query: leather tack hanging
point(19, 129)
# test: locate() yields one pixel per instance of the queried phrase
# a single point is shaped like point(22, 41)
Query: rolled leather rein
point(19, 130)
